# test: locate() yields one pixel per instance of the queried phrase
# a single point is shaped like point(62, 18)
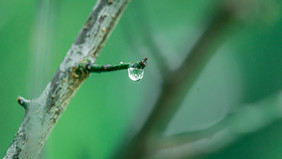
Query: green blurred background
point(243, 78)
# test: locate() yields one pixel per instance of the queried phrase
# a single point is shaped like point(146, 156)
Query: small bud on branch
point(23, 102)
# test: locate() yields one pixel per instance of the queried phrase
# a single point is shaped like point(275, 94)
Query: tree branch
point(44, 111)
point(23, 102)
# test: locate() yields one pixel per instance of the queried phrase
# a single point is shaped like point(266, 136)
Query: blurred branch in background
point(227, 16)
point(247, 119)
point(177, 83)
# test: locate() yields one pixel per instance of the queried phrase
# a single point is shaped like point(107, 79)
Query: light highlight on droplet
point(135, 74)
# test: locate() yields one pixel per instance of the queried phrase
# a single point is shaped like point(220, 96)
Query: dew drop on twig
point(135, 74)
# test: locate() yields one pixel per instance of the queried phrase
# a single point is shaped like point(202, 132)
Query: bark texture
point(43, 112)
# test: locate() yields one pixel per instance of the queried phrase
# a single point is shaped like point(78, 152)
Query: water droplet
point(135, 74)
point(121, 62)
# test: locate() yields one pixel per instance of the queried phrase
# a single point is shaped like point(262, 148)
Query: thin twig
point(42, 113)
point(95, 68)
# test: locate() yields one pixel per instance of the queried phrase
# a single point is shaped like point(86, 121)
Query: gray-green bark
point(42, 113)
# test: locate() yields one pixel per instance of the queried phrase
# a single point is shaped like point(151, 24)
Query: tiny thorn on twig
point(90, 67)
point(23, 102)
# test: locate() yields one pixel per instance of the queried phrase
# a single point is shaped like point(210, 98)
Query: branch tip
point(23, 102)
point(143, 62)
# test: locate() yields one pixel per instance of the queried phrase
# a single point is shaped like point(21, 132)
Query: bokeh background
point(235, 104)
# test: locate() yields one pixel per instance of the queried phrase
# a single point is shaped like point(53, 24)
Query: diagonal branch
point(194, 143)
point(42, 113)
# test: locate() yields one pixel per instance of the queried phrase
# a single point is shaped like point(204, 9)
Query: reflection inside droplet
point(135, 74)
